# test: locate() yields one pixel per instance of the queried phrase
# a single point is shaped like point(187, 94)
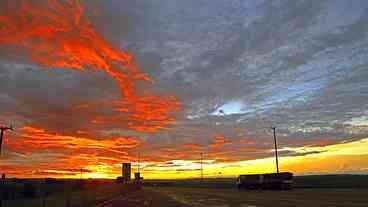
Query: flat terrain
point(211, 197)
point(315, 191)
point(143, 198)
point(202, 197)
point(65, 196)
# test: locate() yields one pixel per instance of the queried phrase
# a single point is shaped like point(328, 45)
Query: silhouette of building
point(126, 172)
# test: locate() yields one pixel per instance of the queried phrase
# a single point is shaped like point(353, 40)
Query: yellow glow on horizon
point(338, 158)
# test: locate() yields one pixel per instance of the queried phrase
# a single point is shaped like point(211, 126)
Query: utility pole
point(277, 159)
point(139, 156)
point(2, 130)
point(201, 166)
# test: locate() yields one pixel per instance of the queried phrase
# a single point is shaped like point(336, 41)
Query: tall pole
point(2, 130)
point(1, 139)
point(277, 159)
point(201, 166)
point(139, 162)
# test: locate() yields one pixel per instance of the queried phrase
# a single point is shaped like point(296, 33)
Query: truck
point(270, 181)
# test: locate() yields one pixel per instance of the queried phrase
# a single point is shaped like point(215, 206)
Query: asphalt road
point(142, 198)
point(196, 197)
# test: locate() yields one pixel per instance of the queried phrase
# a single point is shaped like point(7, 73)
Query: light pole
point(2, 130)
point(201, 166)
point(139, 157)
point(276, 154)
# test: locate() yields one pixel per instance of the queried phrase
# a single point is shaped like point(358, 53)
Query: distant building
point(126, 172)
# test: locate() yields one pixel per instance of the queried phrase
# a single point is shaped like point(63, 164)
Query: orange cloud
point(34, 139)
point(50, 154)
point(59, 34)
point(193, 147)
point(219, 142)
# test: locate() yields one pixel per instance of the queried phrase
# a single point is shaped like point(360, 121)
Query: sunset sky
point(92, 84)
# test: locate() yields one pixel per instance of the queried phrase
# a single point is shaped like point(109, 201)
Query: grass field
point(314, 181)
point(203, 197)
point(79, 198)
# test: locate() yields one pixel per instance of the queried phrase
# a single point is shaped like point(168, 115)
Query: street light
point(2, 130)
point(276, 154)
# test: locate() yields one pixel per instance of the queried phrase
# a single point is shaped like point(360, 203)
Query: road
point(200, 197)
point(142, 198)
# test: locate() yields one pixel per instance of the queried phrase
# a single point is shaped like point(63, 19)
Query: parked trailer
point(271, 181)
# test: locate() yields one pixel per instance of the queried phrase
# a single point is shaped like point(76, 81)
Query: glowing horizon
point(327, 159)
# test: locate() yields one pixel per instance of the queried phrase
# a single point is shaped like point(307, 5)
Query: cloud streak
point(60, 35)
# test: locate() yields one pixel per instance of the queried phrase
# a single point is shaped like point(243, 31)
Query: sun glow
point(344, 158)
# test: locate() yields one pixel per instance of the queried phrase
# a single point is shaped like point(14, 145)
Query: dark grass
point(65, 193)
point(301, 197)
point(312, 181)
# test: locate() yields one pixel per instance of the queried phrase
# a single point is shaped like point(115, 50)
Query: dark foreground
point(331, 190)
point(221, 197)
point(299, 197)
point(143, 198)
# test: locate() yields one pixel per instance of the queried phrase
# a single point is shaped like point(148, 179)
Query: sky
point(92, 84)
